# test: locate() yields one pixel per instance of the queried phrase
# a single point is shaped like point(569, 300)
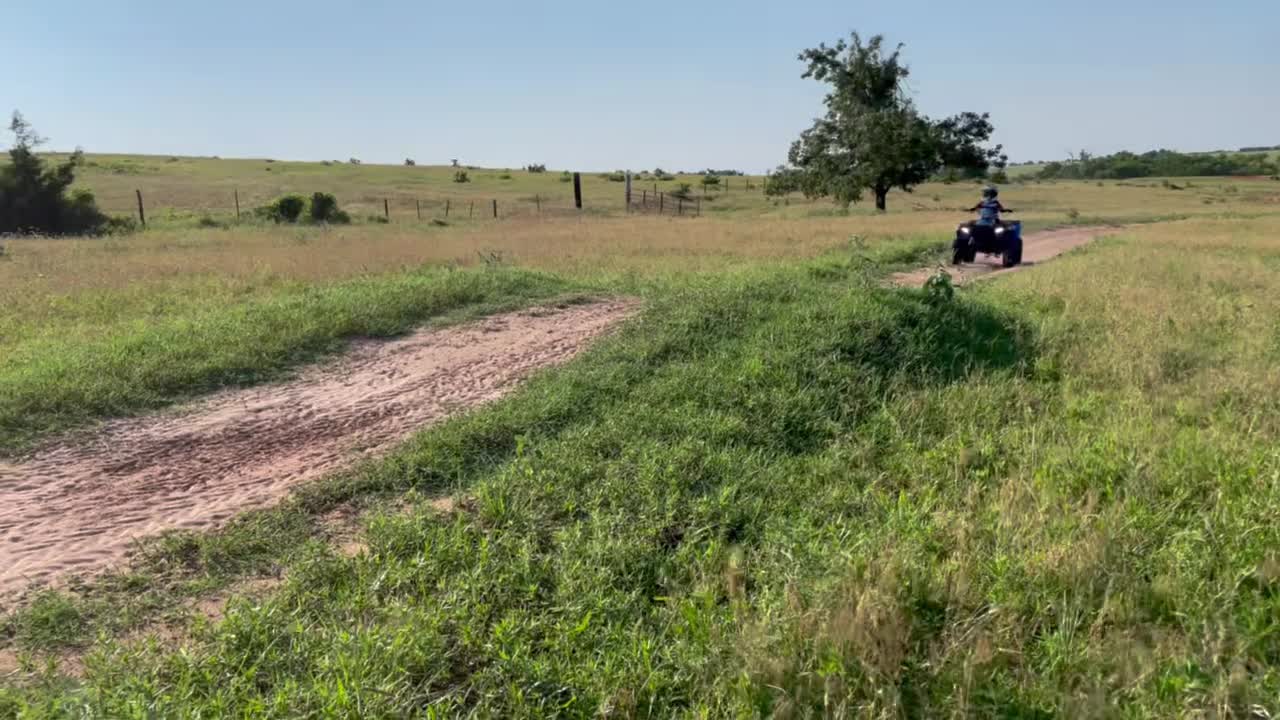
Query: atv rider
point(990, 208)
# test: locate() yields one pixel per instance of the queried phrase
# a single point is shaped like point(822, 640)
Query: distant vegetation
point(536, 168)
point(461, 176)
point(34, 198)
point(1259, 149)
point(321, 208)
point(1158, 163)
point(410, 162)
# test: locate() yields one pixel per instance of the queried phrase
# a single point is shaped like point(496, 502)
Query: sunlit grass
point(784, 490)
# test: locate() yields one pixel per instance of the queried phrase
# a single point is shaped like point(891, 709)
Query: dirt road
point(1036, 248)
point(76, 506)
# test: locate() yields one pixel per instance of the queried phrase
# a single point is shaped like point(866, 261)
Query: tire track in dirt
point(76, 506)
point(1036, 248)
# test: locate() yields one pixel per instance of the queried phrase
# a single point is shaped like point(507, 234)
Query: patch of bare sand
point(1036, 248)
point(76, 506)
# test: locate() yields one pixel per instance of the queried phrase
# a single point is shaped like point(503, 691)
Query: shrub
point(566, 176)
point(536, 168)
point(683, 192)
point(287, 208)
point(354, 161)
point(711, 181)
point(324, 209)
point(999, 176)
point(409, 162)
point(615, 176)
point(208, 222)
point(34, 198)
point(461, 177)
point(504, 176)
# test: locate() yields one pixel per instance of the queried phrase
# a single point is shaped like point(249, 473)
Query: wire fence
point(397, 206)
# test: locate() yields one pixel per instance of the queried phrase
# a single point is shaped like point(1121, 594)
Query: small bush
point(711, 181)
point(208, 222)
point(354, 161)
point(287, 208)
point(461, 177)
point(409, 162)
point(377, 219)
point(566, 176)
point(536, 168)
point(504, 176)
point(999, 176)
point(1073, 214)
point(615, 176)
point(323, 208)
point(683, 192)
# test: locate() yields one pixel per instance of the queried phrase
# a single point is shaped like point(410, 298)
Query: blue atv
point(1003, 239)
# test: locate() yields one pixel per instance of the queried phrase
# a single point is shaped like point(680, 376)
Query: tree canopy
point(871, 136)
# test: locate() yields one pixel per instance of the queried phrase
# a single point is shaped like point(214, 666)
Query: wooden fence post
point(386, 209)
point(644, 198)
point(446, 208)
point(662, 199)
point(471, 209)
point(577, 190)
point(418, 205)
point(680, 206)
point(142, 215)
point(538, 199)
point(237, 191)
point(495, 208)
point(699, 213)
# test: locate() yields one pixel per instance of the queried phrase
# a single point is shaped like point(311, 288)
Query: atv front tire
point(1013, 255)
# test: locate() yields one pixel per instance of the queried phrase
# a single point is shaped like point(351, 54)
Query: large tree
point(872, 137)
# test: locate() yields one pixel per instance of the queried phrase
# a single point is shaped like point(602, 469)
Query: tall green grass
point(795, 493)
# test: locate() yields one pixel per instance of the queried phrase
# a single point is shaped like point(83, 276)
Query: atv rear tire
point(958, 256)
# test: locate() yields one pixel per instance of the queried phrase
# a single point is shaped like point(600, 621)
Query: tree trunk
point(882, 196)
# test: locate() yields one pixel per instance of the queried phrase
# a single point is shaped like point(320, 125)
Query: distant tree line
point(1158, 163)
point(1259, 149)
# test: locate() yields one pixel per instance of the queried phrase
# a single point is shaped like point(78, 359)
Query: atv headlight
point(964, 230)
point(999, 231)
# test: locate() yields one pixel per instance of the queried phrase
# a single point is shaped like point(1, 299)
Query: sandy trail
point(76, 506)
point(1036, 248)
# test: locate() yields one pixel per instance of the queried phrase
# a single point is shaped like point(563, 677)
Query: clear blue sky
point(597, 85)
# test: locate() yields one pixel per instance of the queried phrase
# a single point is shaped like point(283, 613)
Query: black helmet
point(990, 191)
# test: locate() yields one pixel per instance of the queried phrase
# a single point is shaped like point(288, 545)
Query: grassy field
point(785, 490)
point(179, 192)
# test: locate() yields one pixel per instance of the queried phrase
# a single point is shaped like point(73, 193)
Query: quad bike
point(1003, 239)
